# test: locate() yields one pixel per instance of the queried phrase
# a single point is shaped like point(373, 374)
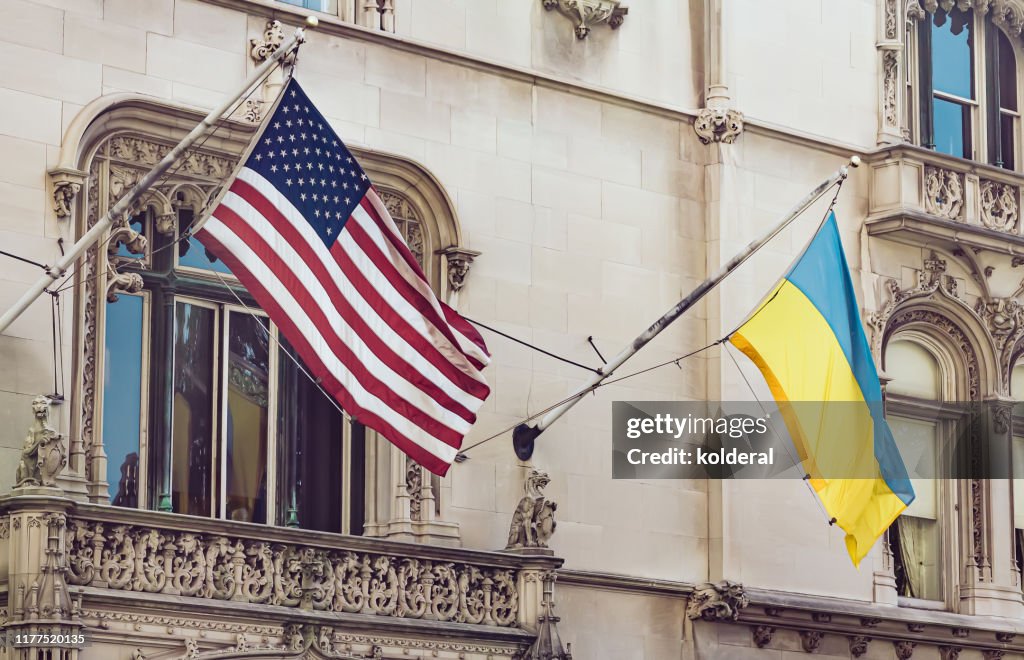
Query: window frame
point(982, 137)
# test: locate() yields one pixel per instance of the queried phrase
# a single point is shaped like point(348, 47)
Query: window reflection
point(310, 458)
point(245, 437)
point(122, 397)
point(952, 53)
point(192, 253)
point(192, 429)
point(952, 128)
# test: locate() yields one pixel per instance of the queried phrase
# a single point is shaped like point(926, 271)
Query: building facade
point(564, 171)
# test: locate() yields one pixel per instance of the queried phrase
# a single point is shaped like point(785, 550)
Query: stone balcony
point(180, 586)
point(928, 199)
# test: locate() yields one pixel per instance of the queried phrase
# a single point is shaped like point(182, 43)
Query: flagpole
point(60, 268)
point(524, 435)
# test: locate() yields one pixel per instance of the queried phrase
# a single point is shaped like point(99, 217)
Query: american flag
point(303, 229)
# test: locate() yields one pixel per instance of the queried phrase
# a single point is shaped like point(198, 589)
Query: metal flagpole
point(60, 268)
point(524, 435)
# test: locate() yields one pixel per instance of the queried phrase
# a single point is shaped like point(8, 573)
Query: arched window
point(967, 89)
point(915, 538)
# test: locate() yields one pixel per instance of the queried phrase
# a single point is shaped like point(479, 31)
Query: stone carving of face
point(41, 407)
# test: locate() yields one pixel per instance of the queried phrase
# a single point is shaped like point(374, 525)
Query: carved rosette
point(999, 206)
point(717, 602)
point(944, 193)
point(588, 13)
point(718, 125)
point(182, 563)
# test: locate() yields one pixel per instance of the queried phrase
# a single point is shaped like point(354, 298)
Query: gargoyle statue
point(43, 455)
point(533, 522)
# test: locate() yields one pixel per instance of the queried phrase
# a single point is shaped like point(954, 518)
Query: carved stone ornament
point(717, 602)
point(588, 13)
point(548, 644)
point(182, 563)
point(272, 39)
point(859, 645)
point(718, 125)
point(1008, 14)
point(459, 262)
point(810, 640)
point(43, 455)
point(298, 641)
point(993, 654)
point(890, 86)
point(949, 652)
point(762, 635)
point(904, 649)
point(943, 193)
point(999, 208)
point(533, 522)
point(414, 488)
point(67, 183)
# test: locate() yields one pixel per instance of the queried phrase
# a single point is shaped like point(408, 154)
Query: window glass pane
point(1017, 383)
point(952, 49)
point(914, 370)
point(1007, 138)
point(192, 421)
point(917, 442)
point(246, 425)
point(1007, 73)
point(310, 442)
point(192, 253)
point(1018, 482)
point(916, 550)
point(122, 398)
point(951, 124)
point(317, 5)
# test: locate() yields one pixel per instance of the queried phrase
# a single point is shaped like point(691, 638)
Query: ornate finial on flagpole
point(312, 22)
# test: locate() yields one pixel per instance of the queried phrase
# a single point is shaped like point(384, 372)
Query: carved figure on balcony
point(43, 455)
point(533, 522)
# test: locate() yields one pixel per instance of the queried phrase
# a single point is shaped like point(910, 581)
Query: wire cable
point(531, 346)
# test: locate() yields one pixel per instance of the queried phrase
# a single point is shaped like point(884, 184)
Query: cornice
point(626, 583)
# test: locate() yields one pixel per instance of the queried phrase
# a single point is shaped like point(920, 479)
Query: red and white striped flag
point(303, 229)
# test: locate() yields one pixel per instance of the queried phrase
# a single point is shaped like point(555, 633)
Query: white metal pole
point(524, 435)
point(60, 268)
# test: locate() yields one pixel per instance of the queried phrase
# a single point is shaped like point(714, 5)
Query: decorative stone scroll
point(181, 563)
point(999, 207)
point(944, 193)
point(273, 37)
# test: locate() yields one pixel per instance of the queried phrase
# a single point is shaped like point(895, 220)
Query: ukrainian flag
point(807, 340)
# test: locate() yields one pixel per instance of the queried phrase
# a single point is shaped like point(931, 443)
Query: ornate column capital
point(67, 182)
point(718, 125)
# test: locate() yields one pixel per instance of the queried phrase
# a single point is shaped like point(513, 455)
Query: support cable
point(531, 346)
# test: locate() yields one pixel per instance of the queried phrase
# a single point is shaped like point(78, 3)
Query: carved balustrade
point(920, 191)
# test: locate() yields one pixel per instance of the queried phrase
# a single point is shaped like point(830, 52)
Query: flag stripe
point(330, 348)
point(347, 347)
point(369, 312)
point(375, 208)
point(346, 254)
point(425, 449)
point(350, 328)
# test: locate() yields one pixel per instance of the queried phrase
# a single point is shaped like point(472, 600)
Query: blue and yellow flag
point(808, 342)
